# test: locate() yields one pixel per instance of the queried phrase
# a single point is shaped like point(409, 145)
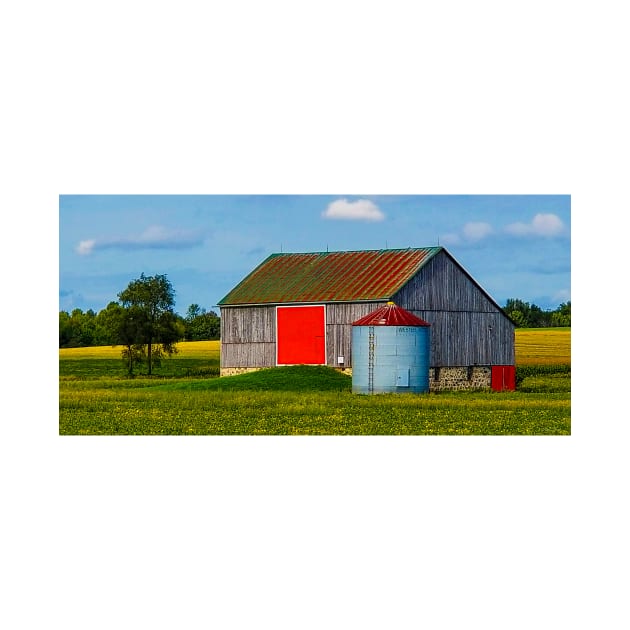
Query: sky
point(515, 246)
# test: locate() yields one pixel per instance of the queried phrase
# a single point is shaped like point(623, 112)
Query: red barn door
point(301, 335)
point(503, 378)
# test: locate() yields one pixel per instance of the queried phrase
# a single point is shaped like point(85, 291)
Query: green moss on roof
point(330, 276)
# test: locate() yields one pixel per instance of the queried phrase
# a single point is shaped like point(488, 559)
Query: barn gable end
point(469, 327)
point(442, 284)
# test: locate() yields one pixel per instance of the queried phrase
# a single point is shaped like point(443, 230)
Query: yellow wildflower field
point(533, 346)
point(185, 350)
point(542, 346)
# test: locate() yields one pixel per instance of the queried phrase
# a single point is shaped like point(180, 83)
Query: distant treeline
point(526, 315)
point(83, 329)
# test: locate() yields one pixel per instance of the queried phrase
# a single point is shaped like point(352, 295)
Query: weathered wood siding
point(339, 318)
point(248, 333)
point(462, 339)
point(248, 336)
point(248, 355)
point(467, 328)
point(248, 324)
point(441, 285)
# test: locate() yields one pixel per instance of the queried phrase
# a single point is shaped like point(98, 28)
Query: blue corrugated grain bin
point(390, 352)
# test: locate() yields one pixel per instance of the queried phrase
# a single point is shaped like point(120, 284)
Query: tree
point(65, 329)
point(130, 326)
point(124, 328)
point(194, 310)
point(201, 325)
point(527, 315)
point(150, 321)
point(562, 315)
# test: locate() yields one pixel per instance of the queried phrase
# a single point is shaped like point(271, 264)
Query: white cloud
point(85, 247)
point(472, 232)
point(476, 231)
point(155, 234)
point(360, 210)
point(547, 225)
point(541, 225)
point(154, 237)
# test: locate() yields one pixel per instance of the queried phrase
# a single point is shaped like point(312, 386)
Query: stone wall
point(453, 378)
point(233, 371)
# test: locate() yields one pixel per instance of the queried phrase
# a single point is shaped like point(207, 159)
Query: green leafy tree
point(562, 316)
point(124, 328)
point(75, 329)
point(150, 319)
point(65, 329)
point(526, 315)
point(109, 321)
point(130, 327)
point(518, 318)
point(201, 325)
point(194, 310)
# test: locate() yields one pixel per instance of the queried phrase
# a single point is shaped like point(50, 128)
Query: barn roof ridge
point(356, 275)
point(356, 251)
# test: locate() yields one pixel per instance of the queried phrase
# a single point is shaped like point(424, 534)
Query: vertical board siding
point(348, 312)
point(248, 336)
point(248, 354)
point(339, 318)
point(245, 324)
point(460, 338)
point(442, 286)
point(467, 328)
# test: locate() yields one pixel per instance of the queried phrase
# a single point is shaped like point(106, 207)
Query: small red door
point(503, 378)
point(301, 335)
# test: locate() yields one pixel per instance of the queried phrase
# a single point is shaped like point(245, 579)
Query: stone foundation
point(234, 371)
point(457, 378)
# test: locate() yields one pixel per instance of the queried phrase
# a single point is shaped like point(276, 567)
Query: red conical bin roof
point(390, 315)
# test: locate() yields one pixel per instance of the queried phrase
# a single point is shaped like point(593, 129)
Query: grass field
point(184, 398)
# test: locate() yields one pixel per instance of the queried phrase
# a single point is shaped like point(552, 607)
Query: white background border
point(281, 533)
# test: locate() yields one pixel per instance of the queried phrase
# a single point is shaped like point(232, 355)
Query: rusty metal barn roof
point(329, 276)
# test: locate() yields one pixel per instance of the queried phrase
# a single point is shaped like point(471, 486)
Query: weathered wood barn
point(299, 309)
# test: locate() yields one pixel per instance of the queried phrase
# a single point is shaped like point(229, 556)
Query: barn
point(299, 309)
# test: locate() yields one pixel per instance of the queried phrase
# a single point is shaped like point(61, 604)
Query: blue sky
point(514, 245)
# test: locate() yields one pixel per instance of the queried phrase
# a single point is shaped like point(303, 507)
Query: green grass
point(299, 400)
point(294, 378)
point(166, 410)
point(95, 398)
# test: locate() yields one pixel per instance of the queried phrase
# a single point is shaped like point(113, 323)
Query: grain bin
point(390, 352)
